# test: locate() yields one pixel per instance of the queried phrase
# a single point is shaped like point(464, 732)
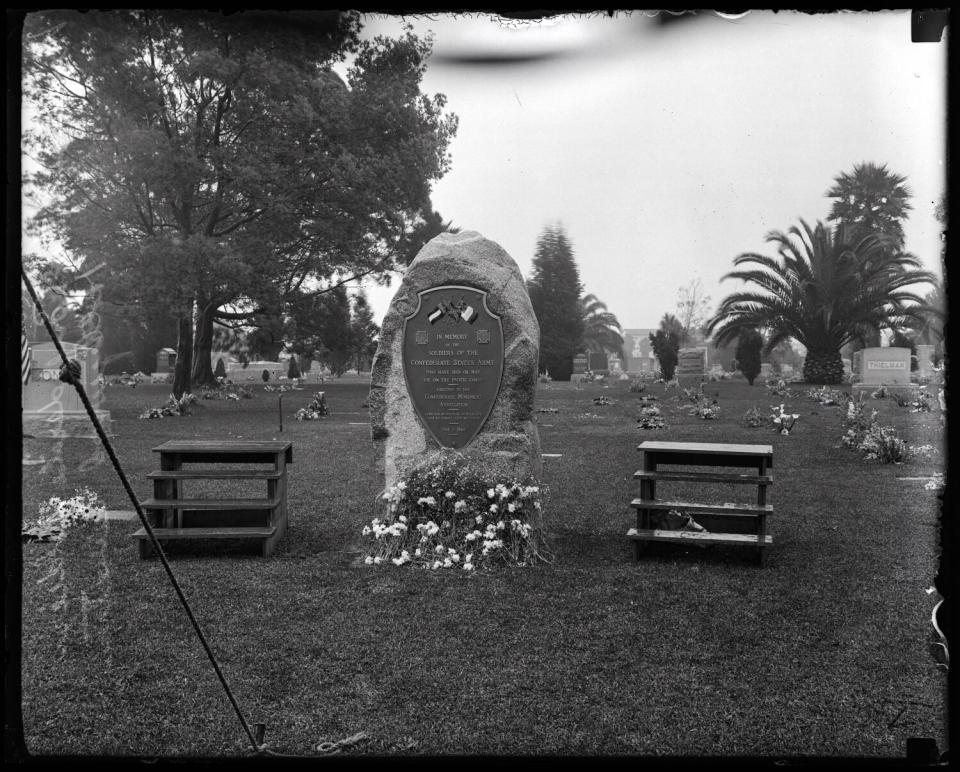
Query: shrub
point(882, 444)
point(220, 371)
point(637, 386)
point(173, 407)
point(747, 355)
point(293, 370)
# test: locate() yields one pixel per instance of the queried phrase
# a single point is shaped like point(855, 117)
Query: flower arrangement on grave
point(446, 515)
point(935, 483)
point(226, 389)
point(650, 418)
point(604, 400)
point(856, 422)
point(315, 410)
point(173, 407)
point(783, 421)
point(880, 393)
point(548, 410)
point(827, 396)
point(753, 418)
point(778, 388)
point(637, 386)
point(882, 444)
point(704, 407)
point(589, 376)
point(55, 516)
point(545, 377)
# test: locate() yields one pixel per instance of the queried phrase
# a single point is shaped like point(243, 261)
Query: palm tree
point(871, 200)
point(601, 329)
point(823, 292)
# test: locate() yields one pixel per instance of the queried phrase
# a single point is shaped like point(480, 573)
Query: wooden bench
point(734, 458)
point(176, 517)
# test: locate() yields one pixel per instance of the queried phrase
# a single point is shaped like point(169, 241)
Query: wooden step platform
point(747, 479)
point(217, 474)
point(679, 537)
point(714, 509)
point(263, 534)
point(212, 505)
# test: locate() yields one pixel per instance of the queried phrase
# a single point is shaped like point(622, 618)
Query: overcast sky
point(667, 151)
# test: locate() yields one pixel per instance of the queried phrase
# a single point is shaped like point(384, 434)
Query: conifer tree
point(555, 290)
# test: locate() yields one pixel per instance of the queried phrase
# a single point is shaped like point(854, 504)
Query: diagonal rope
point(70, 375)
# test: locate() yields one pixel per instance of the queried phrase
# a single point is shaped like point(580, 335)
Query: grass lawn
point(689, 652)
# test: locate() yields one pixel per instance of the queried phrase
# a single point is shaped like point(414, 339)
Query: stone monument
point(456, 366)
point(52, 408)
point(887, 366)
point(691, 366)
point(924, 360)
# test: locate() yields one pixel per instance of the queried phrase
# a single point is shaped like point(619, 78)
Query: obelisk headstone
point(456, 367)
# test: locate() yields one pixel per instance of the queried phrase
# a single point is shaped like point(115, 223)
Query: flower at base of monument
point(436, 564)
point(402, 518)
point(478, 519)
point(418, 552)
point(459, 506)
point(449, 495)
point(632, 532)
point(447, 563)
point(494, 508)
point(468, 566)
point(511, 507)
point(369, 560)
point(455, 558)
point(501, 525)
point(468, 557)
point(935, 483)
point(491, 493)
point(377, 560)
point(366, 530)
point(438, 549)
point(430, 501)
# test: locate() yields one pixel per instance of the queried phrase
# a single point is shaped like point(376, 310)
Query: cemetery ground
point(696, 652)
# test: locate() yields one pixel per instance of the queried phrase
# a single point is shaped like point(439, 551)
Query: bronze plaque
point(453, 362)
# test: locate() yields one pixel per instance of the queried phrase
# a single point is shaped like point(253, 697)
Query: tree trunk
point(181, 373)
point(823, 366)
point(202, 372)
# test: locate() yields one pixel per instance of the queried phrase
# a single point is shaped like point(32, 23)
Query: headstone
point(166, 360)
point(598, 361)
point(847, 367)
point(786, 371)
point(924, 360)
point(52, 408)
point(456, 365)
point(614, 365)
point(856, 364)
point(888, 366)
point(691, 366)
point(766, 370)
point(580, 363)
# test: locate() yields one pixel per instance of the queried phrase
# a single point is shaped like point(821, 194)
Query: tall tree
point(822, 292)
point(555, 289)
point(749, 348)
point(601, 329)
point(666, 345)
point(870, 200)
point(363, 331)
point(218, 159)
point(693, 310)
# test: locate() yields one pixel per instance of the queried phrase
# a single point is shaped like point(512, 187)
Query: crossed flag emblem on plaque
point(458, 310)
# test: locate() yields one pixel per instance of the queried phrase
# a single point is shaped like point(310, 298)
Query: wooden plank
point(216, 474)
point(754, 479)
point(693, 507)
point(254, 532)
point(707, 447)
point(211, 504)
point(678, 537)
point(221, 447)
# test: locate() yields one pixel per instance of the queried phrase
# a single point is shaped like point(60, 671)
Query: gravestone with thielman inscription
point(456, 366)
point(887, 366)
